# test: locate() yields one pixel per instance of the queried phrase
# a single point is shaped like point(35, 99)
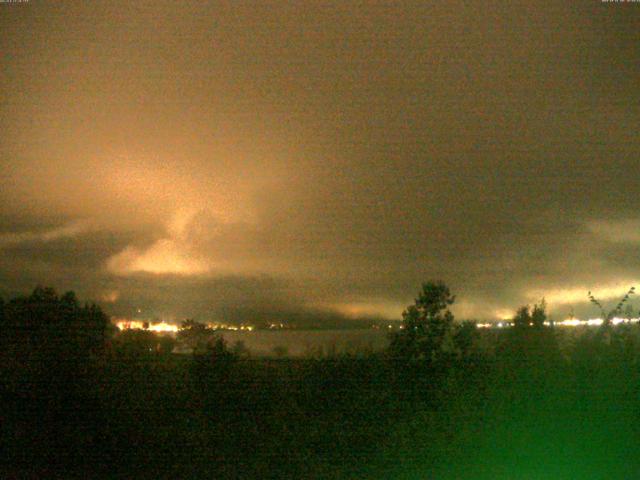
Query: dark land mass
point(524, 409)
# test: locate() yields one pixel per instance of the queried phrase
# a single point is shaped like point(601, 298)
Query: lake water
point(299, 343)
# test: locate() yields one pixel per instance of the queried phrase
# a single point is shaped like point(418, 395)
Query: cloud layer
point(167, 156)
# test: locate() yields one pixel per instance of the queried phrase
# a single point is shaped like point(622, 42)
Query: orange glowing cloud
point(170, 255)
point(163, 257)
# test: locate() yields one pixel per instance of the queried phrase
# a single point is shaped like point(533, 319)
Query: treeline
point(446, 400)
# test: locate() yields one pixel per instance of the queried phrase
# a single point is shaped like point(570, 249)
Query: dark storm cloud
point(345, 151)
point(87, 251)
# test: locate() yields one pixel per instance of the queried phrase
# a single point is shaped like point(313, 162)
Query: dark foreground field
point(444, 401)
point(348, 417)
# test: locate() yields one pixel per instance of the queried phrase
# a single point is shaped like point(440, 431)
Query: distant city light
point(140, 325)
point(569, 322)
point(164, 327)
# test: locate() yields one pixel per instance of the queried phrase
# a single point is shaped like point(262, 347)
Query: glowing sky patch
point(579, 294)
point(163, 257)
point(384, 308)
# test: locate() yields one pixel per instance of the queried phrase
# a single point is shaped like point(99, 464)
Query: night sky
point(213, 159)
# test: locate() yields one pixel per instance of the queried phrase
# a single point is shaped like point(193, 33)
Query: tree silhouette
point(427, 326)
point(464, 337)
point(527, 317)
point(530, 342)
point(522, 318)
point(616, 311)
point(539, 314)
point(56, 327)
point(628, 312)
point(49, 352)
point(195, 335)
